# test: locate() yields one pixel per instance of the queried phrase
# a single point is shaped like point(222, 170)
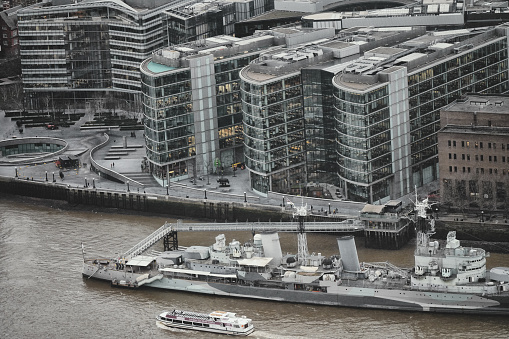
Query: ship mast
point(302, 240)
point(423, 233)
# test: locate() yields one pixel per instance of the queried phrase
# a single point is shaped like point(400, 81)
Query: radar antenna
point(421, 212)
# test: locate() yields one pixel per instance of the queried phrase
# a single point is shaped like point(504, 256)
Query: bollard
point(93, 182)
point(16, 169)
point(46, 175)
point(205, 193)
point(245, 197)
point(54, 177)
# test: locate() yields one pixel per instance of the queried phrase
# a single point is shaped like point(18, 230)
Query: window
point(450, 168)
point(489, 145)
point(450, 156)
point(463, 157)
point(480, 144)
point(494, 145)
point(468, 169)
point(482, 170)
point(463, 169)
point(476, 157)
point(489, 158)
point(449, 143)
point(476, 145)
point(462, 143)
point(455, 169)
point(468, 157)
point(495, 158)
point(491, 171)
point(454, 143)
point(454, 156)
point(468, 143)
point(503, 159)
point(482, 157)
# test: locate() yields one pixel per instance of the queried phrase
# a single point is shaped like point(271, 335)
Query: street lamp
point(329, 207)
point(482, 216)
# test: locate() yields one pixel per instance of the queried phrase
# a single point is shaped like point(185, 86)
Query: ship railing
point(346, 226)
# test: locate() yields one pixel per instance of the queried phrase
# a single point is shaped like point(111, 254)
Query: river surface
point(43, 295)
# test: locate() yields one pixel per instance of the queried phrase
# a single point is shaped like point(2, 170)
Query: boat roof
point(185, 271)
point(141, 260)
point(255, 261)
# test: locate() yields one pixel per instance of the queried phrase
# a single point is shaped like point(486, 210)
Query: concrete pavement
point(127, 161)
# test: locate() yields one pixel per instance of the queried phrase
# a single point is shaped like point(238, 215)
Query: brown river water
point(43, 295)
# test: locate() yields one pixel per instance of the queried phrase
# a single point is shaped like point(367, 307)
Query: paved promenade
point(127, 162)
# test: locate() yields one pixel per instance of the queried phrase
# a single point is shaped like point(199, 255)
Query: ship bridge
point(168, 231)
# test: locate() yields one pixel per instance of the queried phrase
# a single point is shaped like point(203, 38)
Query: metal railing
point(349, 225)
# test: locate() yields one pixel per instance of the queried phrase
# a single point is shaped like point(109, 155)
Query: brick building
point(9, 40)
point(473, 152)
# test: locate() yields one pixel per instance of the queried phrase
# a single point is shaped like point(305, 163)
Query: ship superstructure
point(445, 278)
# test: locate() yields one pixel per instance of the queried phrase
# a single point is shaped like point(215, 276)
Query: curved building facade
point(365, 135)
point(274, 131)
point(192, 106)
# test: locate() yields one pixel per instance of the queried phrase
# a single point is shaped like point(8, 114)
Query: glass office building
point(192, 105)
point(389, 111)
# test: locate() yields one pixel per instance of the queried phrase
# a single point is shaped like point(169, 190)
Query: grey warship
point(446, 277)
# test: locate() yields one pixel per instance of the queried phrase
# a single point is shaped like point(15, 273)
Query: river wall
point(492, 233)
point(149, 203)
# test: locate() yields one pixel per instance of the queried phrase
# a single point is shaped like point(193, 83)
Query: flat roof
point(158, 68)
point(373, 209)
point(481, 103)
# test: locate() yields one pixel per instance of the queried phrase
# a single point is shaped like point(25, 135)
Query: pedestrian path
point(142, 177)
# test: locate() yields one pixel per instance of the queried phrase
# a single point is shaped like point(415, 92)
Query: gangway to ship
point(168, 231)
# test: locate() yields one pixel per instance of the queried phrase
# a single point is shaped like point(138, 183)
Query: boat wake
point(173, 329)
point(271, 335)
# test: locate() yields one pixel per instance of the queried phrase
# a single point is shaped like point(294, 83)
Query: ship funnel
point(271, 246)
point(348, 253)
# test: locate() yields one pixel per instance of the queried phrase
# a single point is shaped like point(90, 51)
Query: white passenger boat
point(217, 322)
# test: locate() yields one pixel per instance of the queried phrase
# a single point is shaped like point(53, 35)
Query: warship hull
point(342, 296)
